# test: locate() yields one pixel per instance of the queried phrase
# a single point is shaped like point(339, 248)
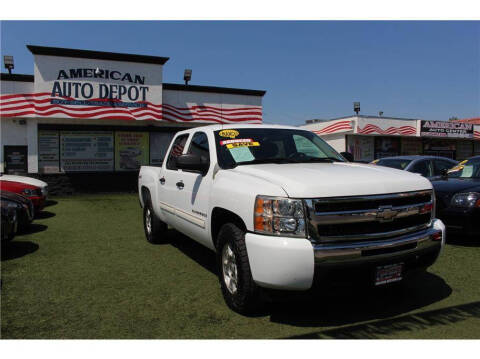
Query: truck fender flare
point(219, 217)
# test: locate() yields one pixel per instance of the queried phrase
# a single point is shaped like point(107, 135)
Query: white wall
point(9, 87)
point(336, 140)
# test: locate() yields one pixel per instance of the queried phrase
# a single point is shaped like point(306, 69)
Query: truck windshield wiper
point(321, 159)
point(288, 160)
point(266, 160)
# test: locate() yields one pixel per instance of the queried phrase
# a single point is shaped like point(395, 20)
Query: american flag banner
point(402, 130)
point(367, 126)
point(337, 126)
point(42, 104)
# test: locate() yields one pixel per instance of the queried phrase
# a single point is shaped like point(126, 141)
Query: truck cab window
point(199, 146)
point(175, 151)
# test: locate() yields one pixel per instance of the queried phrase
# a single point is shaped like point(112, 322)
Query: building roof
point(377, 117)
point(213, 89)
point(16, 77)
point(102, 55)
point(473, 121)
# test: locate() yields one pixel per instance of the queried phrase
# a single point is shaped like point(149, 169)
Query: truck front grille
point(368, 217)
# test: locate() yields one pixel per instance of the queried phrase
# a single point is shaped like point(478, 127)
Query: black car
point(9, 220)
point(458, 197)
point(24, 207)
point(427, 166)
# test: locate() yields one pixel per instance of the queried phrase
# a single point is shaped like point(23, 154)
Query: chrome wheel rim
point(148, 221)
point(229, 266)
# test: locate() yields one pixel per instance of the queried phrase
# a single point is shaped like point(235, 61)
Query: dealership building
point(372, 137)
point(85, 112)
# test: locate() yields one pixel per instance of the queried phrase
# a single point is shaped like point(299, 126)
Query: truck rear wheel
point(155, 229)
point(238, 288)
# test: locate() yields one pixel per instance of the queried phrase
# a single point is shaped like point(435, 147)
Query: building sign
point(159, 142)
point(85, 151)
point(48, 151)
point(90, 88)
point(131, 150)
point(446, 129)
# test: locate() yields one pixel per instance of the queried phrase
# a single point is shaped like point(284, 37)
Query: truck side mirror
point(444, 172)
point(348, 156)
point(192, 162)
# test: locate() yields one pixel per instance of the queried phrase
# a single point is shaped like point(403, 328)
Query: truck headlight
point(279, 216)
point(466, 200)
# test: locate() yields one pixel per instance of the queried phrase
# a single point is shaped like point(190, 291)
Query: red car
point(33, 193)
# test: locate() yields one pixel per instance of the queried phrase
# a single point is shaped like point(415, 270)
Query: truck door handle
point(180, 185)
point(162, 180)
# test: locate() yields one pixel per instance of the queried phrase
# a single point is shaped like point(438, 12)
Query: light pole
point(8, 63)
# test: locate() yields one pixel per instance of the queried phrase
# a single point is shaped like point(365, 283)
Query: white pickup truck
point(283, 210)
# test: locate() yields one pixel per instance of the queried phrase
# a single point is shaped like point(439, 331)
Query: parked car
point(25, 209)
point(458, 197)
point(9, 220)
point(283, 210)
point(32, 192)
point(427, 166)
point(27, 180)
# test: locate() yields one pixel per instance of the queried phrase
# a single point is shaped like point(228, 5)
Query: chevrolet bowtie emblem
point(386, 214)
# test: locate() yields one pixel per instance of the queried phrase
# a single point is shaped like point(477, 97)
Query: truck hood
point(310, 180)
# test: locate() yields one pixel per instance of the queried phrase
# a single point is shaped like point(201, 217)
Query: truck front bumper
point(293, 263)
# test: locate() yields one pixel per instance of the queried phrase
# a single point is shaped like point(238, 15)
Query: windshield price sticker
point(237, 140)
point(229, 133)
point(243, 144)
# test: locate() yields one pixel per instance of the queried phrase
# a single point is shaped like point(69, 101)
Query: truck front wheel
point(238, 288)
point(155, 230)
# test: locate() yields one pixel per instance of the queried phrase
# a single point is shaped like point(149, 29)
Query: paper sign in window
point(241, 154)
point(467, 171)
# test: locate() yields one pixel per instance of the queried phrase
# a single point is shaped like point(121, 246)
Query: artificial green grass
point(86, 271)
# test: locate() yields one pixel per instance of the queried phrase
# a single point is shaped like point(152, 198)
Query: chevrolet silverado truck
point(283, 210)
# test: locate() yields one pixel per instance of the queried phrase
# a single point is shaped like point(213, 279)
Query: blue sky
point(428, 70)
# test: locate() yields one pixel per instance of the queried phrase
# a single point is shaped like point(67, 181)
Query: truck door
point(193, 212)
point(171, 183)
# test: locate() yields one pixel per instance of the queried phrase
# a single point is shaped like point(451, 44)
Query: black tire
point(157, 231)
point(246, 298)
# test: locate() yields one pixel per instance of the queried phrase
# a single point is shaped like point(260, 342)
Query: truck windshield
point(244, 146)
